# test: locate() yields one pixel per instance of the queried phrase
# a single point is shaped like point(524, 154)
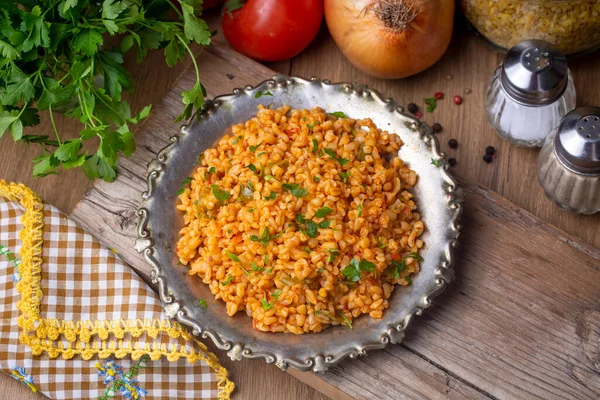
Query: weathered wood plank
point(108, 210)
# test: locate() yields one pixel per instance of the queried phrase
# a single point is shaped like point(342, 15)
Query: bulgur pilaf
point(302, 219)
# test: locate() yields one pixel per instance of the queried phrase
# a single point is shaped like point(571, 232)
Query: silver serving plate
point(437, 197)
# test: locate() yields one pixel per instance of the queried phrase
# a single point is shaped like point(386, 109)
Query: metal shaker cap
point(577, 141)
point(534, 73)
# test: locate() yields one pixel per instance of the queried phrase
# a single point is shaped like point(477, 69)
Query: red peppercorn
point(438, 95)
point(419, 114)
point(457, 100)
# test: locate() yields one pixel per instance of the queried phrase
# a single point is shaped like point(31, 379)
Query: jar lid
point(534, 73)
point(578, 140)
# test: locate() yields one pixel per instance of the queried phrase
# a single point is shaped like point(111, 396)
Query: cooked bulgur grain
point(296, 253)
point(573, 26)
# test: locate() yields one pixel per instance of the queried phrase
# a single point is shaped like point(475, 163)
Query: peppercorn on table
point(521, 320)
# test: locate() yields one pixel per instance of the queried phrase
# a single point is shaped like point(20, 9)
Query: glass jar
point(572, 26)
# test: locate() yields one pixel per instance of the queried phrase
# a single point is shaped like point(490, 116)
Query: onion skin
point(385, 52)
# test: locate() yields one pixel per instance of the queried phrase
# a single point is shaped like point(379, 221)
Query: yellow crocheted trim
point(42, 335)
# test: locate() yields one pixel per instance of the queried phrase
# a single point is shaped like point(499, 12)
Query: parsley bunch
point(53, 58)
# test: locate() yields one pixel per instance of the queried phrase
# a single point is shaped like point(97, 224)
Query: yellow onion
point(391, 38)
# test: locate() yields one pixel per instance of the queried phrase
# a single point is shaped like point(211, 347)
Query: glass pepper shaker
point(569, 163)
point(529, 93)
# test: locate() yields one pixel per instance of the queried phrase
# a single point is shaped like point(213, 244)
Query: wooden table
point(466, 66)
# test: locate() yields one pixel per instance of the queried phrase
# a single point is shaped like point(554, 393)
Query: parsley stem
point(176, 9)
point(191, 55)
point(53, 124)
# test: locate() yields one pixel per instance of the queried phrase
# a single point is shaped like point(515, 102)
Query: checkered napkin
point(77, 323)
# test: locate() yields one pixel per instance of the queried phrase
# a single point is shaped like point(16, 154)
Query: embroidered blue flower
point(21, 375)
point(16, 277)
point(110, 371)
point(130, 389)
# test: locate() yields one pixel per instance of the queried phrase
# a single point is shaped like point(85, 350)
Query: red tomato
point(206, 4)
point(273, 30)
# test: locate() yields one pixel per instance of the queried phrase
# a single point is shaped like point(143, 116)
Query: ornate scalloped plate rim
point(319, 363)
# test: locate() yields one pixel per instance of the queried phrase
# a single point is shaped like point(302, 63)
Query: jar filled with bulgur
point(572, 26)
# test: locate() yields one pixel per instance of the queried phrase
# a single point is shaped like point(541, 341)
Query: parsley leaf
point(431, 103)
point(202, 303)
point(315, 145)
point(317, 178)
point(333, 253)
point(339, 114)
point(265, 238)
point(87, 41)
point(324, 224)
point(311, 126)
point(435, 162)
point(271, 196)
point(220, 194)
point(380, 243)
point(232, 256)
point(323, 212)
point(260, 93)
point(237, 139)
point(295, 189)
point(331, 153)
point(253, 148)
point(227, 281)
point(397, 268)
point(186, 182)
point(355, 268)
point(345, 176)
point(360, 210)
point(346, 320)
point(253, 168)
point(265, 304)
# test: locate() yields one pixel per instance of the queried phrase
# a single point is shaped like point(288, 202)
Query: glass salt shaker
point(529, 93)
point(569, 163)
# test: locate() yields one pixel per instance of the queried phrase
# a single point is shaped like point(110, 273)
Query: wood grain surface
point(518, 323)
point(523, 322)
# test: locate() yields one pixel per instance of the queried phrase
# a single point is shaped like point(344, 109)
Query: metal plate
point(436, 196)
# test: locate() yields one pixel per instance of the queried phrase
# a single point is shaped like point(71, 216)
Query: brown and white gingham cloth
point(90, 300)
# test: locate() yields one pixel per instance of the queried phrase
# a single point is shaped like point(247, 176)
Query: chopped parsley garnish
point(269, 177)
point(317, 178)
point(311, 126)
point(323, 212)
point(237, 139)
point(253, 148)
point(365, 186)
point(271, 196)
point(346, 320)
point(315, 145)
point(227, 281)
point(354, 270)
point(251, 210)
point(435, 162)
point(397, 266)
point(324, 224)
point(260, 93)
point(310, 227)
point(220, 194)
point(339, 114)
point(260, 154)
point(253, 168)
point(320, 270)
point(408, 280)
point(265, 238)
point(186, 182)
point(295, 189)
point(331, 153)
point(431, 104)
point(266, 259)
point(333, 253)
point(246, 271)
point(345, 176)
point(251, 185)
point(360, 210)
point(256, 268)
point(265, 304)
point(232, 256)
point(307, 250)
point(210, 170)
point(202, 303)
point(269, 271)
point(380, 243)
